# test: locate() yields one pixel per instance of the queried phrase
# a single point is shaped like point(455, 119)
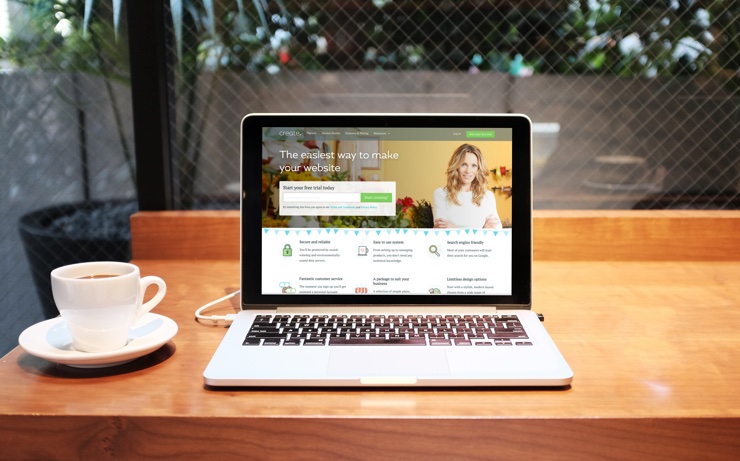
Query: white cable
point(216, 320)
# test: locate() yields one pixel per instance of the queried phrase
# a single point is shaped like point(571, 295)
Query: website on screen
point(382, 211)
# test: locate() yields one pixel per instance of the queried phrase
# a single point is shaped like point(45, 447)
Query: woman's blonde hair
point(479, 184)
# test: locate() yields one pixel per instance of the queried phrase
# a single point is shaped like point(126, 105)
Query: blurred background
point(635, 104)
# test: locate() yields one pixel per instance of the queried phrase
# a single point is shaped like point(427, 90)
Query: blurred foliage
point(422, 216)
point(626, 38)
point(629, 38)
point(617, 37)
point(54, 38)
point(57, 38)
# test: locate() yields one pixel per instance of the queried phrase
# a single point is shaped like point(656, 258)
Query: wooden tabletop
point(653, 346)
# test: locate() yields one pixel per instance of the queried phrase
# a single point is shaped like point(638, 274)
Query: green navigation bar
point(376, 197)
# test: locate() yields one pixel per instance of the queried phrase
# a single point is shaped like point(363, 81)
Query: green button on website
point(480, 134)
point(384, 197)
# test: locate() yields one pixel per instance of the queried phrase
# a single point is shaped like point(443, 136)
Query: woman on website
point(466, 200)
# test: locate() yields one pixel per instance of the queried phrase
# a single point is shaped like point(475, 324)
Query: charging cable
point(216, 320)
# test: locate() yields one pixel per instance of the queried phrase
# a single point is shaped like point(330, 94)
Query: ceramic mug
point(101, 301)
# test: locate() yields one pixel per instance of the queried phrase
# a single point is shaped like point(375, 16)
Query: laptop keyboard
point(410, 330)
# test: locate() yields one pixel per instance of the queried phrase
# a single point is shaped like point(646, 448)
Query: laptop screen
point(387, 209)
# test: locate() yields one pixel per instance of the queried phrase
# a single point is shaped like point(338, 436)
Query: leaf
point(176, 12)
point(241, 18)
point(210, 17)
point(86, 18)
point(116, 17)
point(597, 61)
point(262, 16)
point(116, 4)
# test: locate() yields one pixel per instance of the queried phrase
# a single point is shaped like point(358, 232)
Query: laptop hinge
point(426, 309)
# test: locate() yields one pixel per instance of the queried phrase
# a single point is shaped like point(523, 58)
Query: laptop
point(386, 250)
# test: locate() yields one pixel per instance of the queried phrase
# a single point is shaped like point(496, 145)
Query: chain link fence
point(66, 146)
point(635, 103)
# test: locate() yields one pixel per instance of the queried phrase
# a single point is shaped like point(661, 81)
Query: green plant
point(626, 38)
point(639, 38)
point(210, 37)
point(622, 37)
point(399, 220)
point(71, 35)
point(422, 216)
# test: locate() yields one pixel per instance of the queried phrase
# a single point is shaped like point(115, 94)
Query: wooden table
point(654, 347)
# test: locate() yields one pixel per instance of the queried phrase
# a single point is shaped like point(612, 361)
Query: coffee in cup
point(101, 301)
point(97, 276)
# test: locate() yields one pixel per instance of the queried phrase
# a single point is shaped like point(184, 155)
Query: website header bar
point(390, 134)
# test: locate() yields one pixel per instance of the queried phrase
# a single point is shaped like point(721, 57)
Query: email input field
point(315, 197)
point(337, 198)
point(333, 197)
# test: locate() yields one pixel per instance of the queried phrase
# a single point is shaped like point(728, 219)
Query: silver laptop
point(386, 250)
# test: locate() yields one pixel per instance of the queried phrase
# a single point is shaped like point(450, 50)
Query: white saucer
point(51, 340)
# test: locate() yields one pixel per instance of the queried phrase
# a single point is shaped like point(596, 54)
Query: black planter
point(68, 234)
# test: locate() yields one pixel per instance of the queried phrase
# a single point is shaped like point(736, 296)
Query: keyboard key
point(507, 336)
point(377, 342)
point(273, 335)
point(314, 342)
point(439, 342)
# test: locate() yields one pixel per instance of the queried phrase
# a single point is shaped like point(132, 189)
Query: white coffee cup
point(101, 301)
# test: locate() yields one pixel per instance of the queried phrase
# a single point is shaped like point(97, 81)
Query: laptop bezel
point(251, 207)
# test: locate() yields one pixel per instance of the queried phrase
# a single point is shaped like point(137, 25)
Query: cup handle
point(144, 282)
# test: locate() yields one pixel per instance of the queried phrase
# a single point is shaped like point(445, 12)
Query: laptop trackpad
point(369, 361)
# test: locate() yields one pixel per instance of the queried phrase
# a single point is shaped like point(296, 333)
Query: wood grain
point(372, 439)
point(665, 235)
point(558, 235)
point(654, 361)
point(185, 235)
point(653, 345)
